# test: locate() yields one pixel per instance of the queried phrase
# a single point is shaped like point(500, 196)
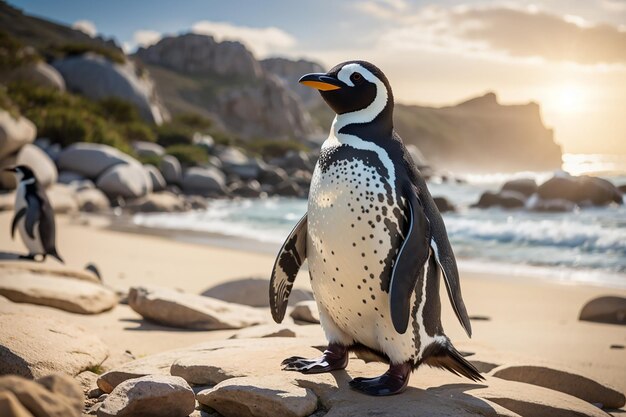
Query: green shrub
point(170, 133)
point(118, 110)
point(271, 148)
point(7, 104)
point(13, 54)
point(73, 49)
point(194, 121)
point(188, 154)
point(138, 131)
point(150, 159)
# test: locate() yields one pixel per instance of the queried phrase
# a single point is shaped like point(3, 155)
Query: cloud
point(146, 38)
point(86, 26)
point(383, 9)
point(507, 32)
point(261, 41)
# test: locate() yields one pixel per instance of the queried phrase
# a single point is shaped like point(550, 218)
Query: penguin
point(34, 216)
point(375, 242)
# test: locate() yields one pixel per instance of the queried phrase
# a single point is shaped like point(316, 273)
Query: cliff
point(223, 80)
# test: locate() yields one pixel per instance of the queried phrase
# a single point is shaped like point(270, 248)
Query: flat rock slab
point(152, 395)
point(50, 269)
point(34, 346)
point(564, 381)
point(69, 294)
point(242, 372)
point(265, 330)
point(178, 309)
point(608, 309)
point(306, 311)
point(259, 397)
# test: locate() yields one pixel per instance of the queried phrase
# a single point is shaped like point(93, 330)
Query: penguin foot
point(392, 382)
point(335, 357)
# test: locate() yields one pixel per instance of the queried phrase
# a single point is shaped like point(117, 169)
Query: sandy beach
point(515, 319)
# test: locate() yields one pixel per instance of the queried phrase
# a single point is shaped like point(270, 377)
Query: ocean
point(584, 246)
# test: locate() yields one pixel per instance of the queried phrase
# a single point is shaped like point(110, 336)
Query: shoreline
point(509, 271)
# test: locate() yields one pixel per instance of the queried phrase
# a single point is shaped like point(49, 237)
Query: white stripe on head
point(369, 113)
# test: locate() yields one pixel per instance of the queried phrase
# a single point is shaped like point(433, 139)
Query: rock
point(204, 181)
point(252, 292)
point(7, 201)
point(59, 292)
point(265, 330)
point(504, 199)
point(91, 159)
point(552, 206)
point(147, 149)
point(92, 201)
point(301, 177)
point(152, 395)
point(259, 397)
point(35, 345)
point(46, 269)
point(622, 188)
point(205, 141)
point(580, 190)
point(163, 201)
point(41, 164)
point(62, 199)
point(97, 78)
point(191, 311)
point(126, 180)
point(608, 309)
point(235, 162)
point(296, 160)
point(272, 175)
point(14, 133)
point(289, 189)
point(443, 204)
point(306, 311)
point(564, 381)
point(525, 186)
point(171, 170)
point(71, 178)
point(158, 182)
point(196, 53)
point(54, 396)
point(87, 381)
point(290, 72)
point(39, 73)
point(195, 202)
point(250, 189)
point(10, 406)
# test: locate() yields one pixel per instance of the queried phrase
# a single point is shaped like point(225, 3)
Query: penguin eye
point(356, 77)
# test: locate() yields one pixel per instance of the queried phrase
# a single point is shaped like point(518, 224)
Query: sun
point(568, 99)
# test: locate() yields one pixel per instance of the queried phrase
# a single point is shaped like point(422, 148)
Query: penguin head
point(23, 172)
point(354, 87)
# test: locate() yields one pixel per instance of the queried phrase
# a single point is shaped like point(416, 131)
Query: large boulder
point(96, 78)
point(148, 149)
point(171, 170)
point(443, 204)
point(607, 309)
point(33, 157)
point(158, 182)
point(62, 198)
point(161, 202)
point(504, 199)
point(581, 190)
point(14, 133)
point(35, 345)
point(235, 162)
point(51, 396)
point(39, 73)
point(565, 381)
point(306, 311)
point(204, 181)
point(152, 395)
point(252, 292)
point(91, 159)
point(177, 309)
point(526, 186)
point(92, 200)
point(55, 290)
point(125, 180)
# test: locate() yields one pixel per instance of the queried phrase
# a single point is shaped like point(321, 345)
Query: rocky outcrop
point(96, 78)
point(191, 311)
point(583, 190)
point(39, 73)
point(90, 159)
point(204, 181)
point(250, 101)
point(504, 199)
point(480, 135)
point(38, 345)
point(526, 186)
point(125, 180)
point(152, 395)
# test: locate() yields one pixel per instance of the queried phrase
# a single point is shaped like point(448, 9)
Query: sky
point(567, 55)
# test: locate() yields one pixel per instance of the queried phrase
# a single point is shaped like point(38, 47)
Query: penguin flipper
point(33, 214)
point(409, 263)
point(288, 262)
point(16, 219)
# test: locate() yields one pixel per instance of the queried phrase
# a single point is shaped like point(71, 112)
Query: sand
point(527, 317)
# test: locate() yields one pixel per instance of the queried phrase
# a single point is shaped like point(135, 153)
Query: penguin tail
point(445, 356)
point(55, 255)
